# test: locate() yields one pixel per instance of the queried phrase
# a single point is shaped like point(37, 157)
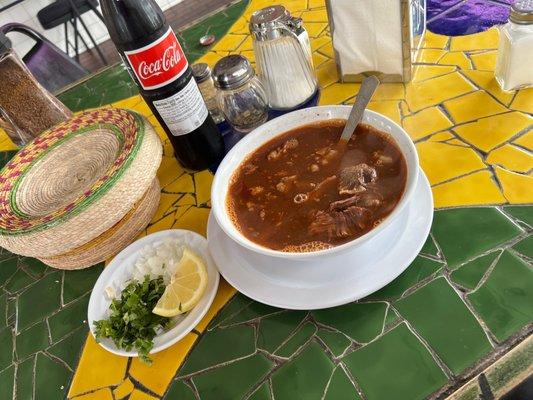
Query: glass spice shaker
point(26, 108)
point(241, 96)
point(514, 66)
point(202, 75)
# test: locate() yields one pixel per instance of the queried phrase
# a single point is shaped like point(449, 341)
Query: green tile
point(430, 247)
point(34, 267)
point(504, 300)
point(234, 380)
point(525, 246)
point(7, 378)
point(452, 331)
point(464, 233)
point(523, 214)
point(395, 366)
point(304, 377)
point(391, 317)
point(237, 303)
point(3, 310)
point(361, 321)
point(25, 379)
point(300, 338)
point(180, 391)
point(8, 267)
point(19, 281)
point(262, 393)
point(419, 270)
point(340, 387)
point(51, 379)
point(219, 346)
point(77, 283)
point(6, 355)
point(39, 300)
point(274, 330)
point(69, 349)
point(471, 273)
point(69, 318)
point(252, 311)
point(5, 156)
point(32, 340)
point(335, 341)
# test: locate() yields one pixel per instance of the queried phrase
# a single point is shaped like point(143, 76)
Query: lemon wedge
point(186, 286)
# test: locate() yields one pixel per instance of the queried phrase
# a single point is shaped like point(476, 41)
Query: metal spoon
point(368, 87)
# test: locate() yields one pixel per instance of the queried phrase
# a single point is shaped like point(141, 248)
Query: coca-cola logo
point(158, 64)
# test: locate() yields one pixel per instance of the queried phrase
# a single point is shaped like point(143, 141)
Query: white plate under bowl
point(121, 269)
point(339, 279)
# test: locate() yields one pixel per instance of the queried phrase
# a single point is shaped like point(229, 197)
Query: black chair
point(51, 67)
point(69, 12)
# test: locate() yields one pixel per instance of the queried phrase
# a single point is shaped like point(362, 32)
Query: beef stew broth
point(297, 193)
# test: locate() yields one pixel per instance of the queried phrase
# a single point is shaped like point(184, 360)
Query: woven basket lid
point(75, 181)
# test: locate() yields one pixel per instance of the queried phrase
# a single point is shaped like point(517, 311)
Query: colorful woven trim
point(129, 128)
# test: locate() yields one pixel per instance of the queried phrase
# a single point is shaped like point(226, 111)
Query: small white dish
point(121, 269)
point(327, 281)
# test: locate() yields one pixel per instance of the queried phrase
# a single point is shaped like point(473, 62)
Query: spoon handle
point(368, 87)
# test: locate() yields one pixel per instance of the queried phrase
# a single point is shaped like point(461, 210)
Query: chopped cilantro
point(131, 323)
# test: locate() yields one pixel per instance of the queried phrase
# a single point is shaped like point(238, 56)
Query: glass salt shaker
point(204, 79)
point(514, 66)
point(241, 96)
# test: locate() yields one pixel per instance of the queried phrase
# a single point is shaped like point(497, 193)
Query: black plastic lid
point(5, 44)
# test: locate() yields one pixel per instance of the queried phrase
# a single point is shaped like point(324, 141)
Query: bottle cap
point(201, 72)
point(232, 71)
point(522, 12)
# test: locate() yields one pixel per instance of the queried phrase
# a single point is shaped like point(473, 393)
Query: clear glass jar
point(241, 96)
point(514, 66)
point(204, 79)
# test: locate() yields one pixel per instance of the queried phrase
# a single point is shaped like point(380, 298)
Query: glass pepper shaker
point(241, 96)
point(202, 75)
point(514, 66)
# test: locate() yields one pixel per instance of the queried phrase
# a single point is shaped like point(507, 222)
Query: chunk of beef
point(339, 224)
point(256, 190)
point(284, 149)
point(355, 179)
point(368, 198)
point(322, 187)
point(286, 183)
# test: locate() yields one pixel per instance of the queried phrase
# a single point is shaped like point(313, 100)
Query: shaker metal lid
point(201, 72)
point(522, 12)
point(268, 18)
point(232, 71)
point(5, 44)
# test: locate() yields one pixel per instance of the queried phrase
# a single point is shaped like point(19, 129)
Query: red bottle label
point(159, 63)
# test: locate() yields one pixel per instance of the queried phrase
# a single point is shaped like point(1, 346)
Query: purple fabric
point(449, 17)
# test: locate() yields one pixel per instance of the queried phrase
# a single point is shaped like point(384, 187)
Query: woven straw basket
point(75, 182)
point(115, 239)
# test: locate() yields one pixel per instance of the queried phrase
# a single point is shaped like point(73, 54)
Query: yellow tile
point(511, 158)
point(473, 106)
point(249, 54)
point(5, 142)
point(457, 142)
point(339, 93)
point(433, 91)
point(426, 122)
point(210, 58)
point(526, 140)
point(441, 137)
point(315, 16)
point(474, 189)
point(456, 58)
point(442, 162)
point(187, 200)
point(130, 102)
point(429, 56)
point(319, 59)
point(162, 224)
point(295, 5)
point(230, 43)
point(247, 44)
point(327, 74)
point(435, 41)
point(166, 205)
point(485, 61)
point(316, 43)
point(138, 395)
point(327, 50)
point(240, 27)
point(203, 181)
point(102, 394)
point(184, 184)
point(523, 101)
point(389, 108)
point(224, 294)
point(316, 3)
point(404, 108)
point(123, 390)
point(315, 28)
point(490, 132)
point(423, 72)
point(97, 369)
point(169, 170)
point(477, 41)
point(517, 188)
point(194, 219)
point(390, 91)
point(485, 80)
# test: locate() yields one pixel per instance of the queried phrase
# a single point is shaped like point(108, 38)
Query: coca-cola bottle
point(155, 60)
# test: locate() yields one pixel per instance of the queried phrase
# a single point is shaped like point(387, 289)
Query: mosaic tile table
point(464, 306)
